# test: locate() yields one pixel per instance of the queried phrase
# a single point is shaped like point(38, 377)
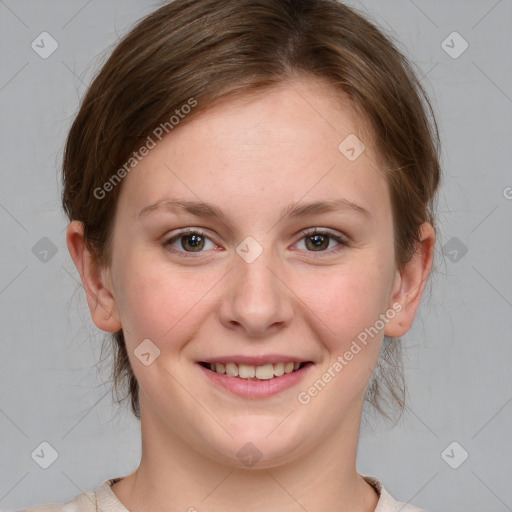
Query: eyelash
point(341, 240)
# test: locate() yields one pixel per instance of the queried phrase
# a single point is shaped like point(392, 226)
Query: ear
point(95, 280)
point(410, 282)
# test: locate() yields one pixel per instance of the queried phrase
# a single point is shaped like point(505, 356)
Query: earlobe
point(99, 296)
point(410, 282)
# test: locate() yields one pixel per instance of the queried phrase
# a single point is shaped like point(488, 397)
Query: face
point(257, 278)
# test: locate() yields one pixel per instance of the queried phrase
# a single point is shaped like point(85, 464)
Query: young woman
point(250, 189)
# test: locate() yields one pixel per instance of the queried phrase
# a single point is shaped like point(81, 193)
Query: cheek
point(346, 300)
point(153, 298)
point(345, 308)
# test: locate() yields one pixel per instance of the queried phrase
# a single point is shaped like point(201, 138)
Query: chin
point(260, 448)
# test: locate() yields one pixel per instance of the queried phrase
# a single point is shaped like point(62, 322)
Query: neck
point(173, 476)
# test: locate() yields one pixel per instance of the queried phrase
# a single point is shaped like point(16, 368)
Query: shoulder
point(386, 502)
point(84, 502)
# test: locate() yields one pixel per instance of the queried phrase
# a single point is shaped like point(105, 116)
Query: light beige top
point(104, 500)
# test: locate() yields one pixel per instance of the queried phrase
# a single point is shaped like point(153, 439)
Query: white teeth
point(265, 372)
point(247, 371)
point(232, 369)
point(279, 369)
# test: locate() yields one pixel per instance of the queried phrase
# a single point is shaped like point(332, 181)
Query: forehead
point(296, 111)
point(262, 148)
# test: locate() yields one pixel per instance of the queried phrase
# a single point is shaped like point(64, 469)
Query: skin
point(251, 157)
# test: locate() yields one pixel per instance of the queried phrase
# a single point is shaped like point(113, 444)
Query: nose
point(256, 302)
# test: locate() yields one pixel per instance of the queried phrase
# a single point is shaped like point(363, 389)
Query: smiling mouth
point(251, 372)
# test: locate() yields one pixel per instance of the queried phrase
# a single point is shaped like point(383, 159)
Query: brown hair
point(209, 50)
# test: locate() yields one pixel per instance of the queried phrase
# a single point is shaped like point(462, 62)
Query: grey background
point(458, 352)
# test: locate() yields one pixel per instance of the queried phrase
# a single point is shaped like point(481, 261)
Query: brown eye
point(189, 242)
point(322, 241)
point(317, 242)
point(192, 242)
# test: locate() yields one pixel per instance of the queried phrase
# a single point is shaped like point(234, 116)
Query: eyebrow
point(293, 210)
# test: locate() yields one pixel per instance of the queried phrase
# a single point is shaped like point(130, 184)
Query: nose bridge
point(257, 300)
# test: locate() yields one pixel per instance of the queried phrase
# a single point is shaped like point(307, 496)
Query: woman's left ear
point(410, 282)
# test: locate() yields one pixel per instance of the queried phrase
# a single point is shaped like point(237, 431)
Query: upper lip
point(255, 360)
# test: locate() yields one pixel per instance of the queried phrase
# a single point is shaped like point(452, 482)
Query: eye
point(192, 241)
point(323, 240)
point(189, 241)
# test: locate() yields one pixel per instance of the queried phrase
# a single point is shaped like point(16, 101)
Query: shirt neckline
point(106, 500)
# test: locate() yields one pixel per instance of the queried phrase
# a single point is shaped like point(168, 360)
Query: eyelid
point(321, 231)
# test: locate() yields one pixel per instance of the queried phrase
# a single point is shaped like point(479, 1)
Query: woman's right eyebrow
point(198, 208)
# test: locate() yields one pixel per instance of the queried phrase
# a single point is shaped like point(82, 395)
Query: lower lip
point(248, 388)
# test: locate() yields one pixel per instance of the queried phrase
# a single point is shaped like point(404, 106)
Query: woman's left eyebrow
point(317, 207)
point(293, 210)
